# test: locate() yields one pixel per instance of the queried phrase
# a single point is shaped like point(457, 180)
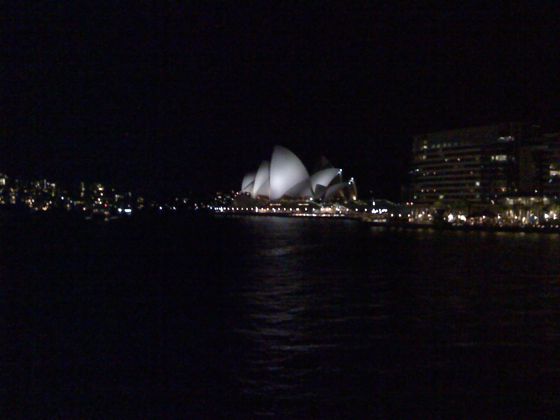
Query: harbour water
point(200, 316)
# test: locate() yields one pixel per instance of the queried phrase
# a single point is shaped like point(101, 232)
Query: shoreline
point(74, 218)
point(467, 228)
point(408, 226)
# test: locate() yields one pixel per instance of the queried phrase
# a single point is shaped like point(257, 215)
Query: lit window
point(499, 158)
point(506, 139)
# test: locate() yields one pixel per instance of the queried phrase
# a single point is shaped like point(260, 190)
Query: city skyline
point(180, 98)
point(280, 209)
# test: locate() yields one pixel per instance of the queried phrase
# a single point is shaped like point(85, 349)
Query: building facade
point(473, 165)
point(550, 165)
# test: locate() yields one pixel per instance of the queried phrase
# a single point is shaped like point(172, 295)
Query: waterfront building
point(475, 165)
point(550, 165)
point(285, 177)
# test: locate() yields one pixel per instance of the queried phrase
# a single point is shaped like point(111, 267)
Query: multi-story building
point(538, 168)
point(550, 165)
point(471, 165)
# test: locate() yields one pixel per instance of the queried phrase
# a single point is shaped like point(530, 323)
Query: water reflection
point(283, 317)
point(353, 315)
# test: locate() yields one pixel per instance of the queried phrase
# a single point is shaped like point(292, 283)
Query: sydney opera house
point(285, 177)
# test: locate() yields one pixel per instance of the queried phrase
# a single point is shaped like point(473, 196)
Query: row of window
point(444, 145)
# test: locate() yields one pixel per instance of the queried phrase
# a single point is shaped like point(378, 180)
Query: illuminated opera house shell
point(285, 176)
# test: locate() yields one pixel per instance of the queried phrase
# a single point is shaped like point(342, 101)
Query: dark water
point(241, 317)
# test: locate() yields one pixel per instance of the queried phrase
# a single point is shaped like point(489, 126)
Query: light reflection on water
point(344, 313)
point(285, 317)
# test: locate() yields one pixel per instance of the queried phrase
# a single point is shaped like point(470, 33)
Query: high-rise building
point(472, 165)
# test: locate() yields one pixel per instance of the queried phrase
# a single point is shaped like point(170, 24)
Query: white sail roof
point(261, 185)
point(334, 189)
point(300, 190)
point(287, 172)
point(323, 177)
point(247, 183)
point(286, 176)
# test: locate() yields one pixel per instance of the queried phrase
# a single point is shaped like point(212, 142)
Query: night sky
point(190, 96)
